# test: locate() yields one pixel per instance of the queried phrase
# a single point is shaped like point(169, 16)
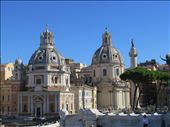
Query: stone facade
point(45, 103)
point(81, 85)
point(48, 81)
point(85, 97)
point(6, 73)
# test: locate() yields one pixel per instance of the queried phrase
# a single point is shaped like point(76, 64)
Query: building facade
point(85, 94)
point(107, 65)
point(48, 81)
point(85, 97)
point(6, 73)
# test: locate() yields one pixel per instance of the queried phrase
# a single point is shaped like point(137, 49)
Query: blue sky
point(78, 28)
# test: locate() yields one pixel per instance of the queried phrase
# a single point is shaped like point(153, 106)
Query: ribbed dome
point(46, 53)
point(46, 56)
point(106, 53)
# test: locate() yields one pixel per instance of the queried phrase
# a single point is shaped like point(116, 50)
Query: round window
point(40, 58)
point(104, 56)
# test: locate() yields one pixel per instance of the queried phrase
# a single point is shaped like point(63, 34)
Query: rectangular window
point(52, 108)
point(117, 72)
point(104, 72)
point(8, 97)
point(25, 108)
point(38, 81)
point(2, 98)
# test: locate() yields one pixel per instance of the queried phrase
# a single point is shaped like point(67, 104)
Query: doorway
point(38, 112)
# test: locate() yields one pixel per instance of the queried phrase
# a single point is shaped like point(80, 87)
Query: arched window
point(104, 72)
point(56, 79)
point(16, 75)
point(67, 107)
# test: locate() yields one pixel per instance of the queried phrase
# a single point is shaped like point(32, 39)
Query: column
point(123, 99)
point(28, 107)
point(47, 103)
point(58, 102)
point(32, 105)
point(56, 99)
point(44, 104)
point(117, 95)
point(126, 99)
point(29, 103)
point(21, 104)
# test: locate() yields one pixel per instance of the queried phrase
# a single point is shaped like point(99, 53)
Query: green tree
point(138, 76)
point(162, 80)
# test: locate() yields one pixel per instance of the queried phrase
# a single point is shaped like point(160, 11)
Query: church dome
point(46, 56)
point(106, 53)
point(46, 53)
point(168, 56)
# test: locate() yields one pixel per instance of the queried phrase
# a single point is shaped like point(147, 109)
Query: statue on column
point(167, 59)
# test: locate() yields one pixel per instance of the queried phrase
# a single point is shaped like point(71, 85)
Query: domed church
point(107, 65)
point(48, 81)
